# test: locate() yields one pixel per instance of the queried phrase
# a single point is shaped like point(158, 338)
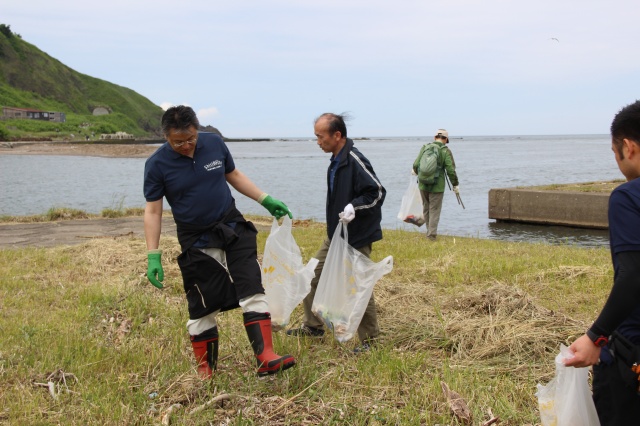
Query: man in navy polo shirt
point(219, 265)
point(612, 343)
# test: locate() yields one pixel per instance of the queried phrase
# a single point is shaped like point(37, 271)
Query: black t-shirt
point(622, 310)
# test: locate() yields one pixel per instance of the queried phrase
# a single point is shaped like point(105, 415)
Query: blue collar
point(336, 158)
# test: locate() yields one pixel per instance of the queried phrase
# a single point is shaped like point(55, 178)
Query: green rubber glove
point(155, 274)
point(276, 207)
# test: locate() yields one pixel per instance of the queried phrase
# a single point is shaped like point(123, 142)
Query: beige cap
point(442, 132)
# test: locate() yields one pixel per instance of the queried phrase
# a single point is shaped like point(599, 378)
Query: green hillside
point(29, 78)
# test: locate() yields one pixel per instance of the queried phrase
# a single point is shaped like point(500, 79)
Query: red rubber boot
point(205, 348)
point(258, 326)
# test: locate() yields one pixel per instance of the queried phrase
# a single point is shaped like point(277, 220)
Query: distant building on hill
point(116, 135)
point(33, 114)
point(100, 111)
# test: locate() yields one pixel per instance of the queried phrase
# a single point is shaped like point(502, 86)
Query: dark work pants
point(617, 403)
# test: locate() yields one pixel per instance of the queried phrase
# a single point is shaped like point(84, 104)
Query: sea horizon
point(452, 136)
point(295, 173)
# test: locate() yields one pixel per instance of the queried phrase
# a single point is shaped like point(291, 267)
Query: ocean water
point(294, 170)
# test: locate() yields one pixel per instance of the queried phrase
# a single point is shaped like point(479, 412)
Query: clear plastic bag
point(411, 205)
point(346, 285)
point(566, 400)
point(285, 278)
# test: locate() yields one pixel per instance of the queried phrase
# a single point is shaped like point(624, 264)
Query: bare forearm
point(243, 184)
point(152, 224)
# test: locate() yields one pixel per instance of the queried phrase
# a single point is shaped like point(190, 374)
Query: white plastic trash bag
point(566, 400)
point(285, 279)
point(346, 285)
point(411, 204)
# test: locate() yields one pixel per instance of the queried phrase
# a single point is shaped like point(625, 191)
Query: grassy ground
point(85, 339)
point(580, 187)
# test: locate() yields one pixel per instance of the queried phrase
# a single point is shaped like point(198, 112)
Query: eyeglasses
point(188, 141)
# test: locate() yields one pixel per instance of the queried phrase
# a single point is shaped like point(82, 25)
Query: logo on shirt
point(216, 164)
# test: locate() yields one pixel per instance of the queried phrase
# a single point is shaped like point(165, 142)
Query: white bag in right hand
point(411, 205)
point(346, 285)
point(566, 400)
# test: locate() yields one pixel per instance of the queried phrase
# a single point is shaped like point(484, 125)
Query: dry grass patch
point(572, 272)
point(498, 325)
point(447, 314)
point(65, 213)
point(503, 325)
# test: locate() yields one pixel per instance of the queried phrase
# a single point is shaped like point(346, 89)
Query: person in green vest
point(431, 183)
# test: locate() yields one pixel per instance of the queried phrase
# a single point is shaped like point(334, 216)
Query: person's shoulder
point(355, 151)
point(624, 211)
point(632, 186)
point(157, 154)
point(209, 136)
point(210, 139)
point(444, 149)
point(628, 191)
point(212, 142)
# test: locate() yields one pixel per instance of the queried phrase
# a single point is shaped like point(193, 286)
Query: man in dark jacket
point(354, 196)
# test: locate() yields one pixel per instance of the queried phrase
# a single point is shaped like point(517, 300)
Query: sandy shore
point(98, 150)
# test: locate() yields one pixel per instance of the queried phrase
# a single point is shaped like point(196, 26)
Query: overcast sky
point(401, 68)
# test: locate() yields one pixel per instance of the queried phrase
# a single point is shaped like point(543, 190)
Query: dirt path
point(69, 232)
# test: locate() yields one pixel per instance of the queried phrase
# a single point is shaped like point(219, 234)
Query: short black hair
point(626, 125)
point(180, 117)
point(336, 122)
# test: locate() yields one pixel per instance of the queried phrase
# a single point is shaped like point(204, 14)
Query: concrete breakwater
point(566, 208)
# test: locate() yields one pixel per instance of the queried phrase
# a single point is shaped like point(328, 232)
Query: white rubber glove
point(348, 214)
point(456, 190)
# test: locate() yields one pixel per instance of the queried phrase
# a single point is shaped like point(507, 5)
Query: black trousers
point(616, 399)
point(210, 287)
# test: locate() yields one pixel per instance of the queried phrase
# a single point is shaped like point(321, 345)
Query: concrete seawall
point(577, 209)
